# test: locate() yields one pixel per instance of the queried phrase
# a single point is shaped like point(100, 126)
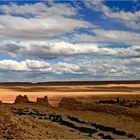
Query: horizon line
point(76, 82)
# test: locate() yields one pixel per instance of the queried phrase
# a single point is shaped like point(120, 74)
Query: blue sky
point(69, 40)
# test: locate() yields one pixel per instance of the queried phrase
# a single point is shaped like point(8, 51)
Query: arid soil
point(55, 91)
point(110, 111)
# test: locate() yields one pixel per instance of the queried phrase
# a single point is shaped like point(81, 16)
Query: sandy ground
point(88, 93)
point(9, 93)
point(29, 127)
point(120, 122)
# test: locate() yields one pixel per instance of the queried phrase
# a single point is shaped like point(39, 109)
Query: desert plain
point(70, 110)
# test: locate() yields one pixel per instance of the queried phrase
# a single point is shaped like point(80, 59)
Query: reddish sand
point(8, 93)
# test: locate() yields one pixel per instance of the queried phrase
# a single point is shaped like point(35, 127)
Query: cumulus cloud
point(38, 9)
point(38, 21)
point(34, 33)
point(38, 28)
point(110, 36)
point(27, 65)
point(51, 50)
point(41, 70)
point(118, 36)
point(130, 19)
point(38, 66)
point(61, 49)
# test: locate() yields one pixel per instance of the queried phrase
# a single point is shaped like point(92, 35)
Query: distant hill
point(68, 83)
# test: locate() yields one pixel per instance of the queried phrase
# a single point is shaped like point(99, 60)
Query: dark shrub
point(121, 133)
point(101, 134)
point(76, 119)
point(90, 135)
point(20, 112)
point(111, 101)
point(9, 137)
point(26, 111)
point(93, 124)
point(72, 130)
point(100, 127)
point(122, 102)
point(43, 114)
point(46, 118)
point(113, 130)
point(62, 122)
point(110, 129)
point(118, 100)
point(55, 118)
point(87, 130)
point(31, 113)
point(13, 108)
point(101, 102)
point(131, 136)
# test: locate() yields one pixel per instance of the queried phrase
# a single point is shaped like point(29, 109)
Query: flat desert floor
point(55, 93)
point(101, 111)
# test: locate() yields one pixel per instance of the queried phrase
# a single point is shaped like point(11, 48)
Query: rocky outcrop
point(43, 101)
point(71, 104)
point(22, 99)
point(74, 105)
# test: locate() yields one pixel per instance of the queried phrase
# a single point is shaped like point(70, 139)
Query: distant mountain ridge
point(69, 83)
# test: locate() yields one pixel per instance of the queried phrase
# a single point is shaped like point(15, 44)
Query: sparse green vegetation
point(76, 119)
point(90, 131)
point(87, 130)
point(131, 136)
point(46, 118)
point(40, 118)
point(120, 102)
point(20, 112)
point(101, 134)
point(57, 118)
point(100, 127)
point(121, 133)
point(8, 137)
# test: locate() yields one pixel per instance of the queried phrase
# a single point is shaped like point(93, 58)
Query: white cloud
point(27, 65)
point(35, 65)
point(115, 35)
point(8, 65)
point(38, 21)
point(38, 28)
point(38, 9)
point(63, 67)
point(50, 49)
point(38, 66)
point(30, 27)
point(110, 36)
point(61, 49)
point(34, 70)
point(130, 19)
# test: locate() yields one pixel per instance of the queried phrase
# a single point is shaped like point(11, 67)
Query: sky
point(69, 40)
